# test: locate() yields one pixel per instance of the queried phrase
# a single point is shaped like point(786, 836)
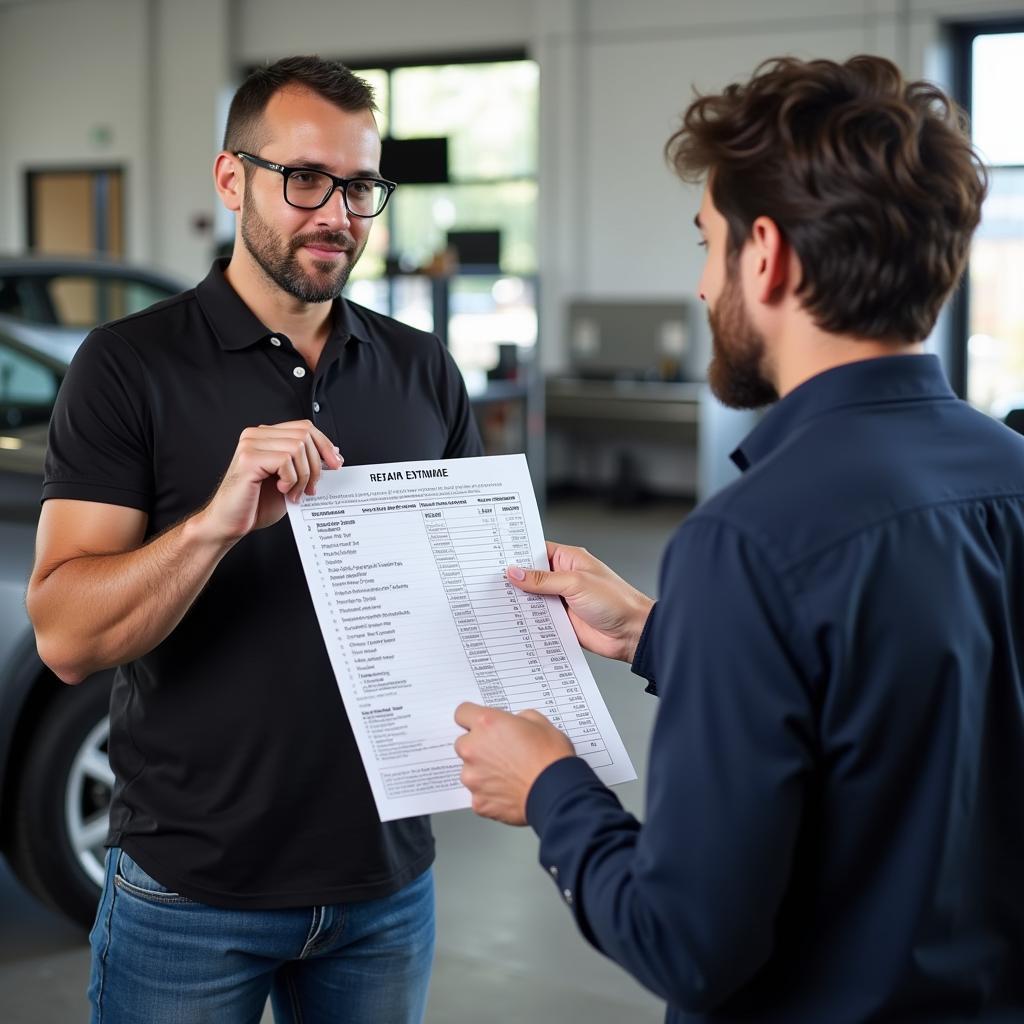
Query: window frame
point(962, 35)
point(439, 286)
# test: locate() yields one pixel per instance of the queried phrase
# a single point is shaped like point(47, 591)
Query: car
point(50, 303)
point(55, 780)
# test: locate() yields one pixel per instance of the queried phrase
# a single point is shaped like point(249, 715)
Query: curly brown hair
point(871, 179)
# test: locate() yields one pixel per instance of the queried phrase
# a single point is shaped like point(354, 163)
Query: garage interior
point(575, 319)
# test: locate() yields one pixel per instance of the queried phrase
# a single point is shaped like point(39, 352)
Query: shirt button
point(553, 871)
point(567, 893)
point(316, 407)
point(299, 371)
point(276, 342)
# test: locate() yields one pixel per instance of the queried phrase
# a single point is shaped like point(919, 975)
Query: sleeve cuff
point(643, 659)
point(559, 778)
point(103, 493)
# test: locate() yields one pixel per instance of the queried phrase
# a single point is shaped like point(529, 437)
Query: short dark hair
point(327, 78)
point(871, 179)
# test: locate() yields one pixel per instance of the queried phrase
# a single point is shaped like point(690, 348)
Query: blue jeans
point(159, 958)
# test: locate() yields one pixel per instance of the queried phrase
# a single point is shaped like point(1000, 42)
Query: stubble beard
point(736, 373)
point(278, 258)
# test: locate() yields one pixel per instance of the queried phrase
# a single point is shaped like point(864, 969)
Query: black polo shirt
point(238, 779)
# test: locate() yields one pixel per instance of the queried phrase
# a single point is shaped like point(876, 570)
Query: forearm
point(639, 903)
point(96, 611)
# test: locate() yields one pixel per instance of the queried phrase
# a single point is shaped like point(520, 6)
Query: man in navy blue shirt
point(835, 801)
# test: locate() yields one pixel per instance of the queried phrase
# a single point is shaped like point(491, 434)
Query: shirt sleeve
point(100, 441)
point(463, 434)
point(687, 901)
point(643, 661)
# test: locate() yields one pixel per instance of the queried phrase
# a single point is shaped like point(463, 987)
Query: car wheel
point(63, 800)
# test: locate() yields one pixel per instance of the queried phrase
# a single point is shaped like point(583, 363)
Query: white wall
point(614, 78)
point(191, 64)
point(384, 28)
point(66, 71)
point(143, 72)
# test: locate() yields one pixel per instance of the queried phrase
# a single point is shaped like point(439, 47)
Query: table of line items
point(417, 588)
point(515, 667)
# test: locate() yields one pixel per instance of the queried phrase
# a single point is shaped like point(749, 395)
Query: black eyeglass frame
point(336, 183)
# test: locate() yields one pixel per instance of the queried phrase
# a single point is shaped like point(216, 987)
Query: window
point(80, 300)
point(76, 298)
point(27, 389)
point(486, 109)
point(991, 309)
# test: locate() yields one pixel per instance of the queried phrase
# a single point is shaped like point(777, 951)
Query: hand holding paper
point(606, 612)
point(502, 756)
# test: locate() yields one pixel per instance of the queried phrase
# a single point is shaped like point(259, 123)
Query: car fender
point(20, 675)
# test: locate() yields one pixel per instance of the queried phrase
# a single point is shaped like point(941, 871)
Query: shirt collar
point(236, 326)
point(867, 382)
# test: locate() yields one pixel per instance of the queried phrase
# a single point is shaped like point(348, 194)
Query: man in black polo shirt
point(247, 856)
point(834, 825)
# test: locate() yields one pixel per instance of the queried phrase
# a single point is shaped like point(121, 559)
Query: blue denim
point(159, 958)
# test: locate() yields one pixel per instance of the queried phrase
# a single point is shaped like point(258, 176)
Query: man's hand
point(502, 756)
point(607, 613)
point(100, 596)
point(270, 464)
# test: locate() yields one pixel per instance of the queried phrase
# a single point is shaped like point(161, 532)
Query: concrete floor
point(507, 949)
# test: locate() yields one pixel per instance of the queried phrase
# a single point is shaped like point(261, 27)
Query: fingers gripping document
point(406, 567)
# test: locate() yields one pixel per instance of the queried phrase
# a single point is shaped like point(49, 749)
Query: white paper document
point(406, 565)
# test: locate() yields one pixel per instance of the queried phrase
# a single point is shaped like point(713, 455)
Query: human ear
point(771, 259)
point(229, 180)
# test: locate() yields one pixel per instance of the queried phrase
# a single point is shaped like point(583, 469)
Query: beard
point(278, 258)
point(736, 373)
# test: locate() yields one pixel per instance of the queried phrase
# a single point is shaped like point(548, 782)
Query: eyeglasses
point(307, 189)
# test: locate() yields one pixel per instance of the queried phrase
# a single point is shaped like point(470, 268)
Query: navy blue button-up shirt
point(835, 803)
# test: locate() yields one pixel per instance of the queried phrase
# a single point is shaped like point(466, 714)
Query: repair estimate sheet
point(406, 566)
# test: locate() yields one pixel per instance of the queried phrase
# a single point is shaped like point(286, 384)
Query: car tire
point(62, 801)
